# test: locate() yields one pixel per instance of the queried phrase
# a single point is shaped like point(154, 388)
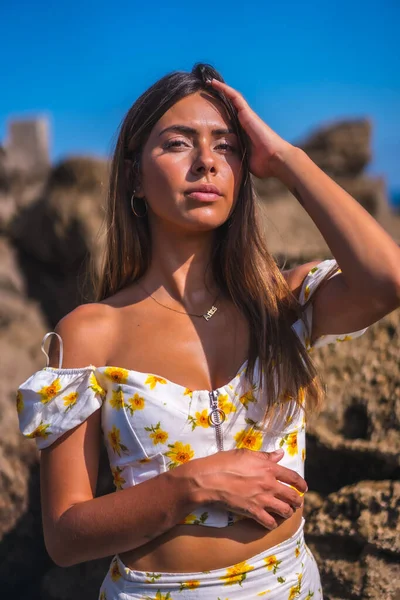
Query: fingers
point(265, 519)
point(287, 494)
point(290, 477)
point(276, 455)
point(279, 507)
point(237, 98)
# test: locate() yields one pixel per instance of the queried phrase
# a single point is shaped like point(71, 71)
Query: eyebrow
point(192, 131)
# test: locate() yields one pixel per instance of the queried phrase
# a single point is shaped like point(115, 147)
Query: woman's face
point(191, 145)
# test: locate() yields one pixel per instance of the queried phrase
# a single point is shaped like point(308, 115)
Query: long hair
point(242, 267)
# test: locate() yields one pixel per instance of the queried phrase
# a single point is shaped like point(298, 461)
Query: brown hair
point(242, 267)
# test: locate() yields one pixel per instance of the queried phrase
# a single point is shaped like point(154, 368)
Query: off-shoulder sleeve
point(303, 326)
point(53, 401)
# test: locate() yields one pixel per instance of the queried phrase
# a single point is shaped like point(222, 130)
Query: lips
point(205, 192)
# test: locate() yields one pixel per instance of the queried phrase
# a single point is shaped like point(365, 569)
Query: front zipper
point(216, 418)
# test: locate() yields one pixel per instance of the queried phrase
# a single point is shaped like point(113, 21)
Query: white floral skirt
point(287, 571)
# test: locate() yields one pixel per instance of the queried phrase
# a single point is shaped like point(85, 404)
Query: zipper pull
point(217, 415)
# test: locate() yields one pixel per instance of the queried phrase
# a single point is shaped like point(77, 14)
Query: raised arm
point(368, 286)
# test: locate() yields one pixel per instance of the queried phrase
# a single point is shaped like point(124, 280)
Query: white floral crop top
point(151, 424)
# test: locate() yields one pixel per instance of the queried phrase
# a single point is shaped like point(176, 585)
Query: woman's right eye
point(175, 143)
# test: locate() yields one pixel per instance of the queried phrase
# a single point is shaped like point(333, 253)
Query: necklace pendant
point(207, 316)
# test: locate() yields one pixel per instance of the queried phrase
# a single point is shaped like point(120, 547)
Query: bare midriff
point(192, 548)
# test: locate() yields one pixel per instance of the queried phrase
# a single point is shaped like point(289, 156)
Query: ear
point(132, 182)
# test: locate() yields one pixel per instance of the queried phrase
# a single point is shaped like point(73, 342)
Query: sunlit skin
point(175, 160)
point(202, 355)
point(193, 143)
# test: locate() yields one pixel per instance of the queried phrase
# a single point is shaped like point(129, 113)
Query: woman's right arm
point(79, 527)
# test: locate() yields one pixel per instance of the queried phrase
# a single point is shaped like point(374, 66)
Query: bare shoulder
point(295, 276)
point(86, 333)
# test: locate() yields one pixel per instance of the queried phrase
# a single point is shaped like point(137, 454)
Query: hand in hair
point(265, 143)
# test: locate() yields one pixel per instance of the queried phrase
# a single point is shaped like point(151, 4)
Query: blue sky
point(299, 64)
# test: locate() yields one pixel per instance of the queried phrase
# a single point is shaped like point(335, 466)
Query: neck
point(181, 269)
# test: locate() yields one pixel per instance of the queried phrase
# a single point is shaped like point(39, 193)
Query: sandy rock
point(21, 328)
point(357, 434)
point(382, 579)
point(355, 528)
point(342, 148)
point(56, 234)
point(80, 582)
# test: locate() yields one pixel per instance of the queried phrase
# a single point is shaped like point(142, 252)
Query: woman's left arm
point(368, 287)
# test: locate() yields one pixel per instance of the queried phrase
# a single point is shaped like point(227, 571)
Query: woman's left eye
point(226, 146)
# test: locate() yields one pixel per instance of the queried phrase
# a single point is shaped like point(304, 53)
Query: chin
point(205, 219)
point(203, 224)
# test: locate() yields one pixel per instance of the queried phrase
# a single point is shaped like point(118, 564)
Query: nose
point(204, 161)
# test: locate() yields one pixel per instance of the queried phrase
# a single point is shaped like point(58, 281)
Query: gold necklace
point(207, 315)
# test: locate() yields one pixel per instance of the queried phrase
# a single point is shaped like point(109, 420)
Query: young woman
point(194, 363)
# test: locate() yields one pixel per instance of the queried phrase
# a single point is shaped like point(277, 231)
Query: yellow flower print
point(188, 392)
point(291, 443)
point(159, 596)
point(116, 374)
point(152, 381)
point(194, 520)
point(135, 403)
point(179, 454)
point(295, 590)
point(309, 595)
point(70, 400)
point(237, 573)
point(20, 402)
point(263, 593)
point(152, 577)
point(200, 418)
point(191, 584)
point(303, 454)
point(117, 477)
point(50, 391)
point(114, 571)
point(297, 549)
point(102, 596)
point(250, 439)
point(117, 398)
point(306, 292)
point(189, 520)
point(40, 431)
point(288, 420)
point(345, 338)
point(248, 397)
point(94, 385)
point(157, 434)
point(225, 404)
point(272, 563)
point(114, 437)
point(143, 461)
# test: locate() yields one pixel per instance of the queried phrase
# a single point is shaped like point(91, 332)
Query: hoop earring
point(133, 198)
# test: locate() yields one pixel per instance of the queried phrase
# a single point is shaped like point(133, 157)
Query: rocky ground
point(47, 228)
